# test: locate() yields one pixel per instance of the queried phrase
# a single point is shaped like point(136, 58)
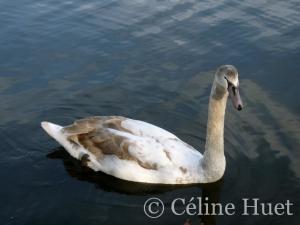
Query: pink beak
point(235, 97)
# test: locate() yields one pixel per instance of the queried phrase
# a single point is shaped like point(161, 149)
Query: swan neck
point(215, 124)
point(213, 162)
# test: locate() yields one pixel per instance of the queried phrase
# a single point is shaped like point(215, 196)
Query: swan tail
point(56, 132)
point(53, 130)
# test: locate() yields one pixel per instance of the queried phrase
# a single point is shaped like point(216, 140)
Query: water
point(154, 61)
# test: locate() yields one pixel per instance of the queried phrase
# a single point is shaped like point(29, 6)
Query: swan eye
point(228, 82)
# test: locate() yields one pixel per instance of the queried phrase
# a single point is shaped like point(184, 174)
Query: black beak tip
point(239, 108)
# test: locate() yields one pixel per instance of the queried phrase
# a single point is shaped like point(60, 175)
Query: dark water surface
point(151, 60)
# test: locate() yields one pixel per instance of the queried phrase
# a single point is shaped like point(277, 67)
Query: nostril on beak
point(239, 107)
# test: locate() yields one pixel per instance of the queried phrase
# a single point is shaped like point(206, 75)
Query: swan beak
point(235, 97)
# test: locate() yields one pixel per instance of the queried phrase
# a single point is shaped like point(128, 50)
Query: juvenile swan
point(141, 152)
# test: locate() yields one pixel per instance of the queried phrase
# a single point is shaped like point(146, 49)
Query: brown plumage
point(92, 133)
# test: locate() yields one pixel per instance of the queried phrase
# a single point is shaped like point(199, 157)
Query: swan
point(138, 151)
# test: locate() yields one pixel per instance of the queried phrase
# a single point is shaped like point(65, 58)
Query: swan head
point(227, 81)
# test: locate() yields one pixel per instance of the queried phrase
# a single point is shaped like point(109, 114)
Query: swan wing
point(114, 136)
point(148, 145)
